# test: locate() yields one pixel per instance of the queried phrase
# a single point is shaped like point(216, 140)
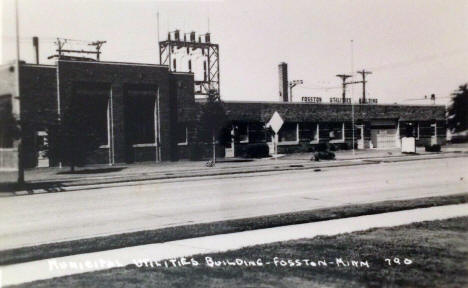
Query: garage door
point(384, 138)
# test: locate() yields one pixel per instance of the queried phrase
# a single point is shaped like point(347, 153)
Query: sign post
point(276, 122)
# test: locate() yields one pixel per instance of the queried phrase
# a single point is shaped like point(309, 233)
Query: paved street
point(44, 218)
point(61, 179)
point(49, 268)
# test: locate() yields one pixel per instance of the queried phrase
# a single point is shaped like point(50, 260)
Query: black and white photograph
point(224, 143)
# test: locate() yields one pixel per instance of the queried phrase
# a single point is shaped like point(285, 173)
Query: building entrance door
point(42, 143)
point(384, 134)
point(360, 136)
point(383, 138)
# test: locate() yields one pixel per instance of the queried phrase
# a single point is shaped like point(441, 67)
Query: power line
point(98, 46)
point(420, 60)
point(61, 42)
point(43, 38)
point(319, 88)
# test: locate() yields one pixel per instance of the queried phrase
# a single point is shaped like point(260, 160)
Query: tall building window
point(336, 132)
point(182, 133)
point(7, 122)
point(412, 129)
point(140, 116)
point(434, 129)
point(243, 132)
point(289, 133)
point(90, 110)
point(427, 129)
point(257, 133)
point(309, 132)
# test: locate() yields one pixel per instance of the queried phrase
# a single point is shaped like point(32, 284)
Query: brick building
point(145, 112)
point(306, 124)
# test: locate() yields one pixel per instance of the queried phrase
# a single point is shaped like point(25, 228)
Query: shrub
point(325, 155)
point(433, 148)
point(257, 150)
point(305, 147)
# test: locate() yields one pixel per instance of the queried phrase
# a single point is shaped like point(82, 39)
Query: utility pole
point(18, 117)
point(343, 78)
point(60, 45)
point(98, 45)
point(363, 73)
point(293, 84)
point(157, 35)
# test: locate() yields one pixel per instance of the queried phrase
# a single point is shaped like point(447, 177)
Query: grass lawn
point(438, 251)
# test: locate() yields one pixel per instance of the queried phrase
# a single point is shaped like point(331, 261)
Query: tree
point(458, 110)
point(212, 120)
point(9, 129)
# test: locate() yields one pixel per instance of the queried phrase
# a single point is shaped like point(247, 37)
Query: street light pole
point(353, 124)
point(352, 94)
point(18, 117)
point(293, 84)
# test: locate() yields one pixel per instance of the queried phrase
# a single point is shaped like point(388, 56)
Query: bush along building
point(95, 112)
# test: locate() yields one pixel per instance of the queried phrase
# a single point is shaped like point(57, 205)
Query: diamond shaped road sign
point(275, 122)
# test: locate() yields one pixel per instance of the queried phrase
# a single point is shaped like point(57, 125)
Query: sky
point(413, 48)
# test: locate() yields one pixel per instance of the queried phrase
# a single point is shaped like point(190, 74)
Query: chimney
point(36, 48)
point(283, 82)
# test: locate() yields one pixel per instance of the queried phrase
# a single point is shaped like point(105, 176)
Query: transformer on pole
point(191, 50)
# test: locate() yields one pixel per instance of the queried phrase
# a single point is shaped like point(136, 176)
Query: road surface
point(45, 218)
point(50, 268)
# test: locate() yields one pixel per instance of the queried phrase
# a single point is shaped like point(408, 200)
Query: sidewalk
point(81, 263)
point(380, 153)
point(60, 179)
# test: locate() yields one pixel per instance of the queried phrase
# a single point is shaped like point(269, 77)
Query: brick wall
point(254, 112)
point(308, 112)
point(177, 105)
point(118, 76)
point(40, 104)
point(183, 110)
point(38, 107)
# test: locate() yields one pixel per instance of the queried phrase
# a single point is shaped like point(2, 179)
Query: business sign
point(368, 101)
point(339, 100)
point(309, 99)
